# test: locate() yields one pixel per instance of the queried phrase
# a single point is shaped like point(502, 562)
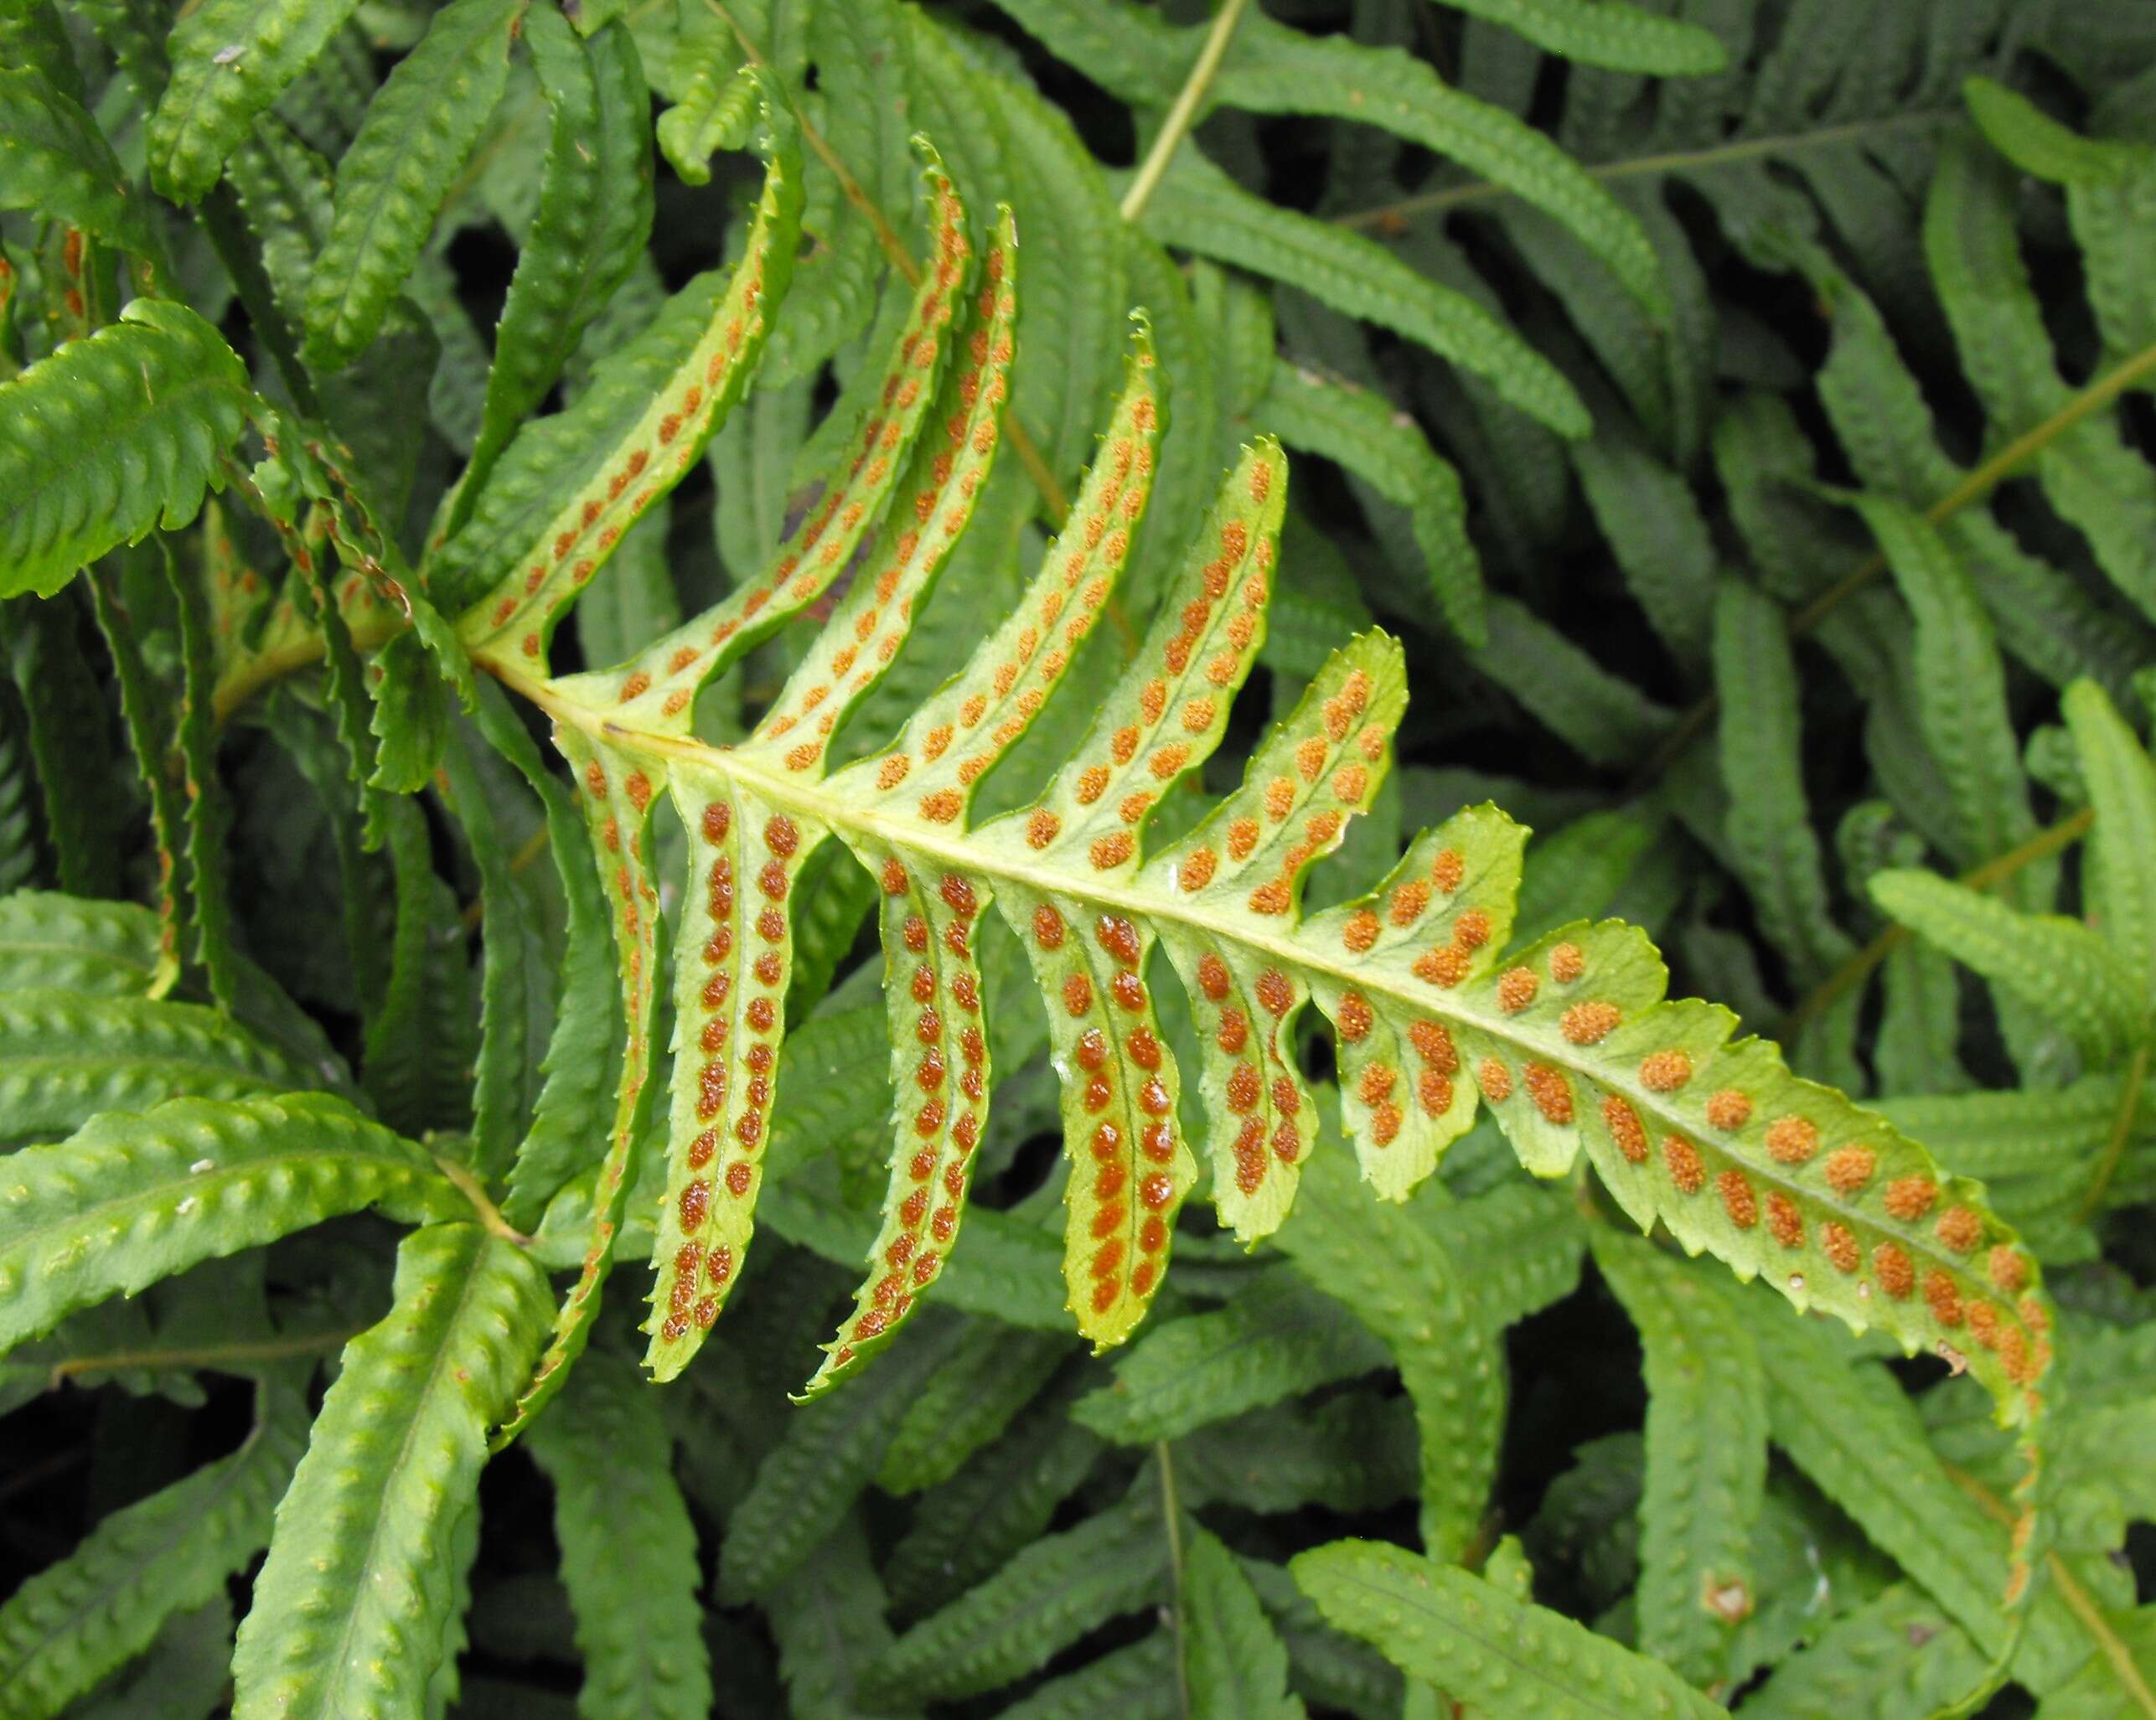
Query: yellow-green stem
point(484, 1209)
point(1171, 1519)
point(1453, 197)
point(2121, 1131)
point(2077, 1598)
point(232, 1355)
point(1979, 482)
point(1183, 113)
point(2045, 843)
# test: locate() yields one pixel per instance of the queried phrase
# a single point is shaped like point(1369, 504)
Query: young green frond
point(110, 437)
point(358, 1586)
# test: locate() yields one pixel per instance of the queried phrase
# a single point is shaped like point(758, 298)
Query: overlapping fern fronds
point(1001, 740)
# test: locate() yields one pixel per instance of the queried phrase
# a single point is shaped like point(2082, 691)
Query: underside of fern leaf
point(1569, 1041)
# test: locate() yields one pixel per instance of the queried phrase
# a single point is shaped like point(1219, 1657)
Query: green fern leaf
point(60, 167)
point(1001, 1501)
point(1602, 717)
point(1393, 457)
point(968, 1402)
point(351, 1606)
point(616, 802)
point(76, 1621)
point(1659, 535)
point(2122, 786)
point(1706, 1459)
point(418, 130)
point(515, 992)
point(1469, 1637)
point(1357, 1452)
point(1234, 1661)
point(143, 714)
point(1053, 1593)
point(1898, 1656)
point(1961, 692)
point(1276, 69)
point(2063, 970)
point(182, 1676)
point(2088, 472)
point(1772, 842)
point(828, 1617)
point(593, 219)
point(65, 1056)
point(628, 1550)
point(110, 437)
point(1137, 1682)
point(570, 1111)
point(804, 1487)
point(1880, 415)
point(207, 811)
point(33, 38)
point(1854, 1434)
point(649, 409)
point(1199, 208)
point(2107, 184)
point(416, 1060)
point(714, 100)
point(231, 60)
point(1516, 1248)
point(1626, 38)
point(130, 1199)
point(51, 941)
point(1399, 1282)
point(1277, 1338)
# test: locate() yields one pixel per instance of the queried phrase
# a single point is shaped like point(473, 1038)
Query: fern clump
point(832, 749)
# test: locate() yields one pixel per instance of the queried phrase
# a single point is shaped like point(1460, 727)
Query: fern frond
point(628, 1550)
point(1366, 435)
point(1234, 1661)
point(130, 1199)
point(230, 59)
point(67, 1055)
point(2063, 970)
point(352, 1605)
point(570, 485)
point(1898, 1657)
point(60, 167)
point(1199, 208)
point(999, 1503)
point(828, 1617)
point(1470, 1638)
point(110, 437)
point(589, 227)
point(1401, 1284)
point(1706, 1459)
point(832, 1452)
point(1851, 1430)
point(1051, 1594)
point(418, 129)
point(1626, 38)
point(1276, 1339)
point(76, 1621)
point(2097, 482)
point(1569, 1040)
point(2107, 183)
point(1276, 69)
point(2121, 788)
point(968, 1402)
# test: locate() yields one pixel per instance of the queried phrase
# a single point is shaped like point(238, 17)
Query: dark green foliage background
point(1744, 532)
